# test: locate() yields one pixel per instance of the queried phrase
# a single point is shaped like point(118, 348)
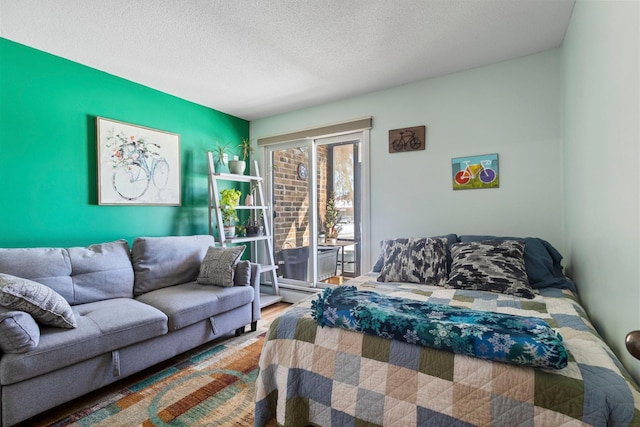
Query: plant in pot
point(220, 156)
point(229, 198)
point(238, 166)
point(331, 218)
point(248, 201)
point(254, 225)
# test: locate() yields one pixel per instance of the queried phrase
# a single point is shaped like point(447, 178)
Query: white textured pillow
point(218, 266)
point(43, 303)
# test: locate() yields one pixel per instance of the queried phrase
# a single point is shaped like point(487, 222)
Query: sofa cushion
point(101, 271)
point(78, 274)
point(219, 265)
point(19, 332)
point(159, 262)
point(49, 266)
point(43, 303)
point(103, 326)
point(190, 303)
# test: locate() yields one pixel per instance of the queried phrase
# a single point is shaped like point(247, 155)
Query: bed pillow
point(415, 260)
point(219, 265)
point(451, 239)
point(19, 333)
point(490, 265)
point(43, 303)
point(542, 261)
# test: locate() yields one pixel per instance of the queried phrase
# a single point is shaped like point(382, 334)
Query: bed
point(341, 375)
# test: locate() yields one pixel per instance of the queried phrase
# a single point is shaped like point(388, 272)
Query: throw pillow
point(19, 333)
point(242, 275)
point(415, 260)
point(218, 266)
point(494, 266)
point(43, 303)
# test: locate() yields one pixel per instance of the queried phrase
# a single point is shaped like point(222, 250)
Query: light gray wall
point(511, 108)
point(601, 119)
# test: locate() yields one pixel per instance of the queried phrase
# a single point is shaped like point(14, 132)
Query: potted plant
point(248, 201)
point(229, 198)
point(220, 156)
point(254, 225)
point(238, 166)
point(331, 218)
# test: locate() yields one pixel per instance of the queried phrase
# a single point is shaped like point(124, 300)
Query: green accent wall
point(48, 189)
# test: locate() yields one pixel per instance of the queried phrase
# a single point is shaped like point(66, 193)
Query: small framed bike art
point(137, 165)
point(475, 172)
point(407, 139)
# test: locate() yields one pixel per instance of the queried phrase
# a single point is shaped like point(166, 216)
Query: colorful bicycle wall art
point(475, 172)
point(137, 165)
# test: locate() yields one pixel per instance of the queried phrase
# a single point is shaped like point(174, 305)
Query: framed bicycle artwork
point(137, 165)
point(475, 172)
point(407, 139)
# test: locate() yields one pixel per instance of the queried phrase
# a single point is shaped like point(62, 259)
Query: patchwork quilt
point(323, 376)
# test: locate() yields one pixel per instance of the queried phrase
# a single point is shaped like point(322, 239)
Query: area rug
point(212, 386)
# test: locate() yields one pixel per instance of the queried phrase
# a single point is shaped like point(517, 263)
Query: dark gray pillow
point(219, 265)
point(242, 275)
point(43, 303)
point(415, 260)
point(19, 333)
point(494, 266)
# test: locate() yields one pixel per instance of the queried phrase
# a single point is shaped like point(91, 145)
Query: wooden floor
point(270, 312)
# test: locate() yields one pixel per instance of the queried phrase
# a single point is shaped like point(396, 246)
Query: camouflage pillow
point(489, 265)
point(415, 260)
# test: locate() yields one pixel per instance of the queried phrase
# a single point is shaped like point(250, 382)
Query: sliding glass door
point(315, 188)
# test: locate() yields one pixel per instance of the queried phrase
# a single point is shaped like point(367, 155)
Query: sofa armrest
point(255, 284)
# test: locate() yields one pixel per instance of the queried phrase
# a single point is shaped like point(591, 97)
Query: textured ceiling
point(256, 58)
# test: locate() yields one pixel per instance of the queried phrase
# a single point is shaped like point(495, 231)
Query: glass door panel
point(292, 222)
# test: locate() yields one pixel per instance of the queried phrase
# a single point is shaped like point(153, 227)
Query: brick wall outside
point(291, 197)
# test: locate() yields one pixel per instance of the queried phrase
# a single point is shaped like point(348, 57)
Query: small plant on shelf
point(255, 225)
point(229, 198)
point(246, 148)
point(221, 156)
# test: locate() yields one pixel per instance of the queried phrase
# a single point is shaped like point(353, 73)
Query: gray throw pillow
point(19, 333)
point(490, 265)
point(242, 275)
point(218, 266)
point(415, 260)
point(43, 303)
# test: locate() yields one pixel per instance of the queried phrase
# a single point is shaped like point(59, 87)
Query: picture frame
point(475, 172)
point(137, 165)
point(407, 139)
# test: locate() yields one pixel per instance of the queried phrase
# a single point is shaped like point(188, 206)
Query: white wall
point(511, 108)
point(601, 119)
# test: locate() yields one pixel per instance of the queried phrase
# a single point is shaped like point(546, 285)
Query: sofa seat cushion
point(191, 302)
point(103, 326)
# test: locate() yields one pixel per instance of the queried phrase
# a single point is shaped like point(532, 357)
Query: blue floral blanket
point(500, 337)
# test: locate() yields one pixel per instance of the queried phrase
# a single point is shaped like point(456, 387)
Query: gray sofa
point(132, 308)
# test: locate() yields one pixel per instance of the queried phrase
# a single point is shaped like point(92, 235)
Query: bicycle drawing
point(137, 165)
point(407, 139)
point(475, 172)
point(132, 173)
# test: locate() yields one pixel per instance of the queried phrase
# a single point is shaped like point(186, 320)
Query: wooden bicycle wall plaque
point(407, 139)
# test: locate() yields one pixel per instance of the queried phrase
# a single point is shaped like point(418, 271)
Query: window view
point(323, 247)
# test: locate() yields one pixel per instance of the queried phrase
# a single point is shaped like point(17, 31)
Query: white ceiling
point(256, 58)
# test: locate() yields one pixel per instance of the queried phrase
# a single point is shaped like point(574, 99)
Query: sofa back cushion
point(159, 262)
point(102, 271)
point(79, 274)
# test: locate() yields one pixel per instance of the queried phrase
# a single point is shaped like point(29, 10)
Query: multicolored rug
point(212, 386)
